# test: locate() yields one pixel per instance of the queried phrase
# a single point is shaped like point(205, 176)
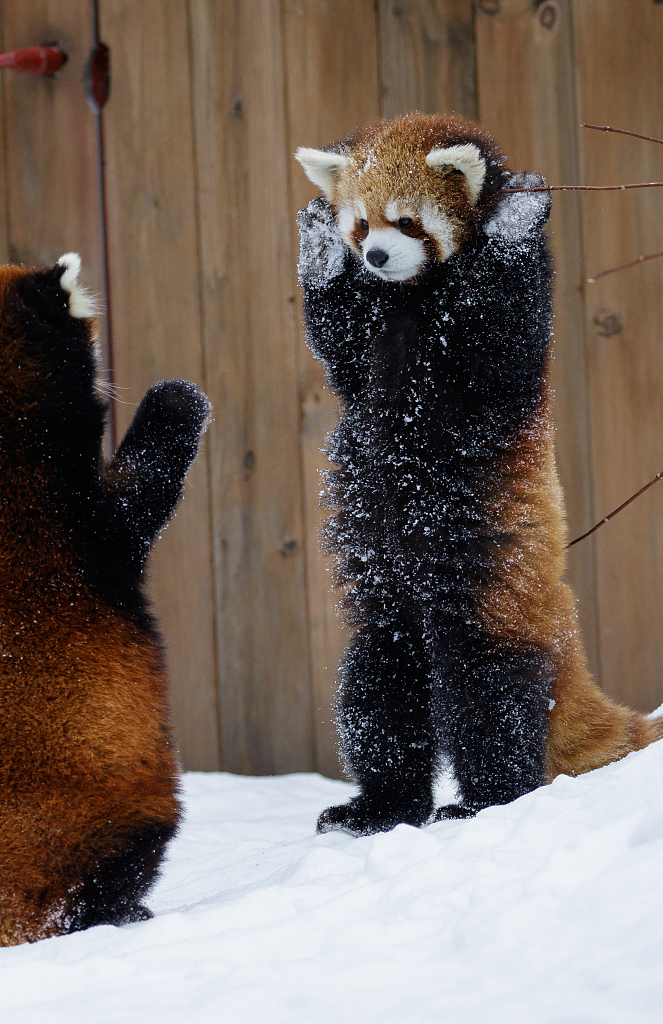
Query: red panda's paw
point(352, 817)
point(174, 407)
point(453, 811)
point(520, 214)
point(364, 816)
point(82, 303)
point(322, 250)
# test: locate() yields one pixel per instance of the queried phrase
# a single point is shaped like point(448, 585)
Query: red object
point(36, 60)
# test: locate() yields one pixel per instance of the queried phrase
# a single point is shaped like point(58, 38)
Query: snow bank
point(546, 911)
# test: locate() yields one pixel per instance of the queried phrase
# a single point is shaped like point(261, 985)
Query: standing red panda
point(428, 298)
point(88, 775)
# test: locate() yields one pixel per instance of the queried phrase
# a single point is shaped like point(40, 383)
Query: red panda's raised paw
point(520, 214)
point(322, 250)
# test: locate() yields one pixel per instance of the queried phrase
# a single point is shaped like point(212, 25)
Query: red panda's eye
point(363, 224)
point(405, 222)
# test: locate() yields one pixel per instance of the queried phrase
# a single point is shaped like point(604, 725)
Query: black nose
point(377, 257)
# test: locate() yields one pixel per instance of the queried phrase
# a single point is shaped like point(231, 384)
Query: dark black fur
point(113, 513)
point(105, 516)
point(113, 892)
point(438, 376)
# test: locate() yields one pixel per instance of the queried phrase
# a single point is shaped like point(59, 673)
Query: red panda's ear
point(81, 303)
point(466, 158)
point(322, 168)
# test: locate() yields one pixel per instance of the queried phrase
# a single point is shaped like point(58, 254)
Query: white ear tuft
point(81, 303)
point(71, 262)
point(466, 158)
point(322, 168)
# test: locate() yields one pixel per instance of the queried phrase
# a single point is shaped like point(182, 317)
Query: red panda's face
point(406, 193)
point(397, 239)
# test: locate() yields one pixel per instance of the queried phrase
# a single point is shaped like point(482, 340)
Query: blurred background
point(181, 197)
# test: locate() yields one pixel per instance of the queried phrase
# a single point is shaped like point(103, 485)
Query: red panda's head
point(409, 191)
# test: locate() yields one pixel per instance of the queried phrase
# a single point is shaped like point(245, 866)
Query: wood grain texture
point(209, 101)
point(427, 57)
point(156, 317)
point(4, 195)
point(531, 111)
point(620, 82)
point(49, 141)
point(331, 56)
point(250, 346)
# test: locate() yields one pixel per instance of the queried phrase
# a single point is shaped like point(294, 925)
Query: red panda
point(88, 773)
point(408, 191)
point(428, 298)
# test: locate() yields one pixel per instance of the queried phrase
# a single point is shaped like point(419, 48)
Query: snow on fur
point(321, 258)
point(519, 214)
point(547, 910)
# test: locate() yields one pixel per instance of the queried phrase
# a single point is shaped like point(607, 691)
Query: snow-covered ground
point(547, 911)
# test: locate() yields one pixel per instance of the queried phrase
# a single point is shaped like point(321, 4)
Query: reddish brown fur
point(528, 601)
point(84, 749)
point(387, 160)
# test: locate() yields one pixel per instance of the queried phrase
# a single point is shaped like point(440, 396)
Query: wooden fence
point(209, 100)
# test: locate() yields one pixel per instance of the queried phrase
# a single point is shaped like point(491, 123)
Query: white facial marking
point(361, 210)
point(81, 303)
point(438, 226)
point(405, 255)
point(394, 211)
point(346, 220)
point(391, 210)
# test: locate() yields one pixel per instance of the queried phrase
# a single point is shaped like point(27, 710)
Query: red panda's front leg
point(144, 480)
point(341, 302)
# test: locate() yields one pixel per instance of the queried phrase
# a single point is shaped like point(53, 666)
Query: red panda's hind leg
point(387, 730)
point(113, 892)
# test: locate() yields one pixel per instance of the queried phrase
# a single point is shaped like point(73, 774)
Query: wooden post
point(427, 57)
point(620, 82)
point(155, 297)
point(49, 142)
point(331, 57)
point(251, 358)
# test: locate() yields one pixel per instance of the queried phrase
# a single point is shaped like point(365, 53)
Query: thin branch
point(586, 188)
point(621, 131)
point(612, 270)
point(625, 266)
point(617, 510)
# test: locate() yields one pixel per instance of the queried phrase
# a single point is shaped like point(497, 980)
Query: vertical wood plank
point(4, 197)
point(331, 56)
point(531, 110)
point(620, 82)
point(156, 319)
point(252, 374)
point(427, 57)
point(49, 142)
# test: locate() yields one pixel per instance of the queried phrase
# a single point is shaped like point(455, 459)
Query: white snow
point(546, 911)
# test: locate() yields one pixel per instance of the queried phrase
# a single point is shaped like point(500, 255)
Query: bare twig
point(625, 266)
point(621, 131)
point(612, 270)
point(586, 188)
point(617, 510)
